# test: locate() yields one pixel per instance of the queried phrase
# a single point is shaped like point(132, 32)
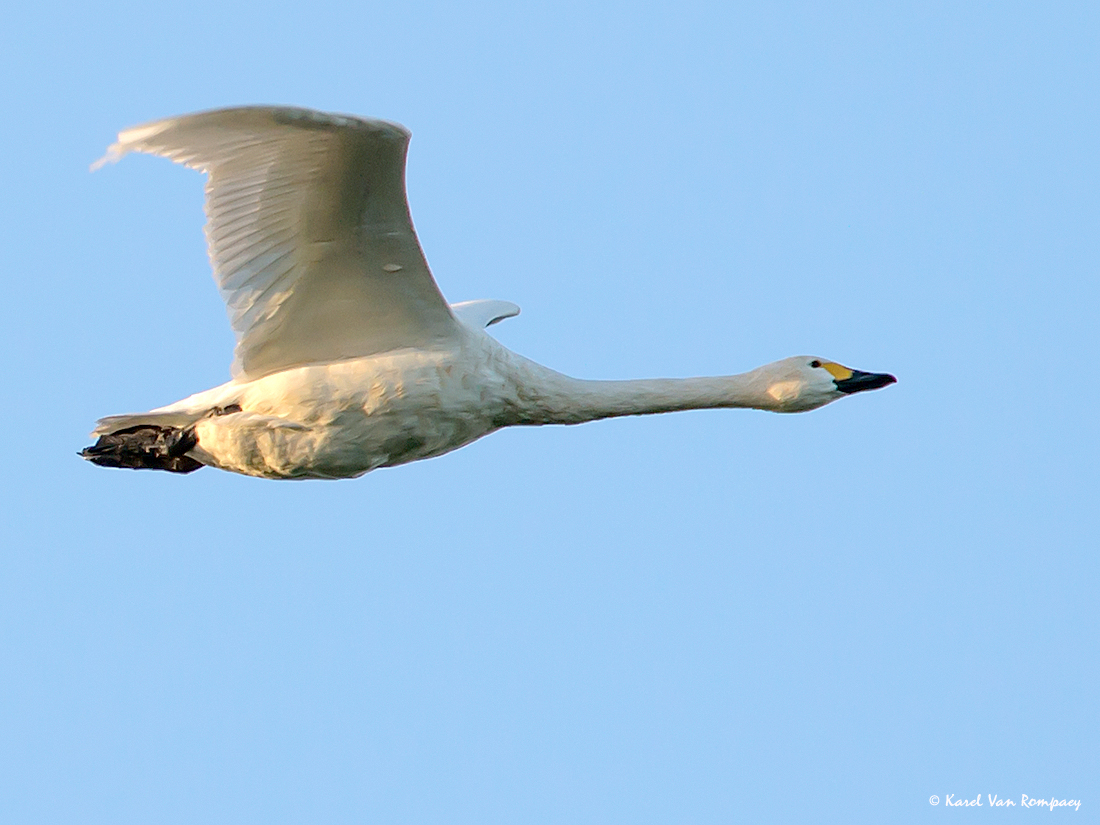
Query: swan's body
point(348, 358)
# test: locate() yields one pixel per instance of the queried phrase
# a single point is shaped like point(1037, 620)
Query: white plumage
point(348, 358)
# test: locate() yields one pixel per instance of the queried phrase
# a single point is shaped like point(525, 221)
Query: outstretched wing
point(308, 230)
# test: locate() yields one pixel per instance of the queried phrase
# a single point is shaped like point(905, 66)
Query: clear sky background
point(702, 617)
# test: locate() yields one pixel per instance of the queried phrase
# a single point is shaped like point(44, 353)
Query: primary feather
point(309, 232)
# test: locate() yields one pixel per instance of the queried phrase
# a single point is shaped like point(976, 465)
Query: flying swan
point(348, 358)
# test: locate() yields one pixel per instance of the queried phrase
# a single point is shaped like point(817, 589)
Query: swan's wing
point(309, 232)
point(481, 314)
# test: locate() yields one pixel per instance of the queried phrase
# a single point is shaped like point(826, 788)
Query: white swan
point(348, 358)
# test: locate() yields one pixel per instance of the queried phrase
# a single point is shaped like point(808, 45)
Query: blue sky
point(698, 617)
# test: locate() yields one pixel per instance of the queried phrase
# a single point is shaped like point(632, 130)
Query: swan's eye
point(815, 364)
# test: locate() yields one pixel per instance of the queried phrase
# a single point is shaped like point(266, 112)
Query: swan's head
point(805, 383)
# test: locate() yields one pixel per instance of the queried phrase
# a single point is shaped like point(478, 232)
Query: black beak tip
point(863, 381)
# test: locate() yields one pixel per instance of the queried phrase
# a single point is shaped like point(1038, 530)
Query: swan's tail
point(145, 446)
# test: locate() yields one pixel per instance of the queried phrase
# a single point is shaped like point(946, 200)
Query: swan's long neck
point(548, 397)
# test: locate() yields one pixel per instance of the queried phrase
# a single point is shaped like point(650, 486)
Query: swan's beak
point(860, 381)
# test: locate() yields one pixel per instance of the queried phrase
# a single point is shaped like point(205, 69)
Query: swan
point(347, 356)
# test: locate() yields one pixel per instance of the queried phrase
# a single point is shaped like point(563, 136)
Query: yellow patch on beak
point(838, 372)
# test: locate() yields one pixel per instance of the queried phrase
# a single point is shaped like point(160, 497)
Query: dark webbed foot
point(145, 447)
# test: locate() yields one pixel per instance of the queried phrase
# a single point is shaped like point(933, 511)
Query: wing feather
point(308, 230)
